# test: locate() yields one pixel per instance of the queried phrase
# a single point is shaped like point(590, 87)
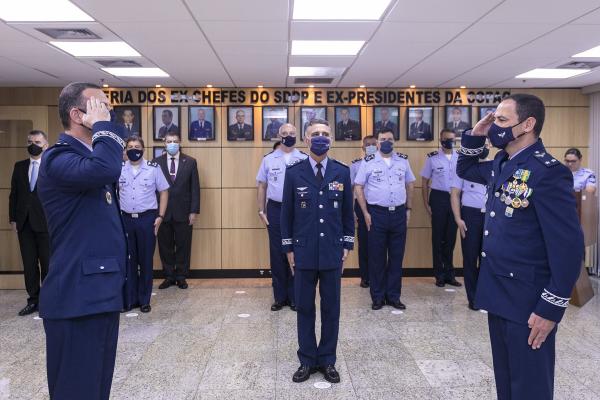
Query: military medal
point(108, 198)
point(508, 201)
point(509, 212)
point(525, 203)
point(516, 203)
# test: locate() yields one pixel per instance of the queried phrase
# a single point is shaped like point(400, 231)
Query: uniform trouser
point(80, 356)
point(443, 234)
point(35, 252)
point(471, 248)
point(141, 242)
point(305, 284)
point(387, 240)
point(174, 247)
point(363, 243)
point(521, 373)
point(282, 278)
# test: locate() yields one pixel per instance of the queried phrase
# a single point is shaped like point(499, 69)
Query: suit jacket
point(462, 126)
point(135, 129)
point(23, 204)
point(200, 133)
point(162, 132)
point(317, 221)
point(234, 132)
point(532, 244)
point(423, 132)
point(389, 125)
point(77, 189)
point(350, 131)
point(184, 193)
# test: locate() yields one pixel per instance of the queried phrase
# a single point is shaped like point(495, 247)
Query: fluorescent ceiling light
point(42, 11)
point(551, 73)
point(326, 47)
point(339, 9)
point(137, 72)
point(315, 71)
point(97, 49)
point(591, 53)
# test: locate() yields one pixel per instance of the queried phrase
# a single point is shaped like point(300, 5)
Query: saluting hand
point(462, 226)
point(96, 111)
point(540, 329)
point(290, 258)
point(483, 126)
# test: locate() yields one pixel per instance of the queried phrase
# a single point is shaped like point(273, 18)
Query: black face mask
point(134, 154)
point(34, 149)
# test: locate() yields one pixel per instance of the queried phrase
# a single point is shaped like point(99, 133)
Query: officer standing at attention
point(532, 244)
point(270, 178)
point(584, 179)
point(468, 206)
point(142, 216)
point(82, 295)
point(317, 230)
point(369, 149)
point(437, 173)
point(384, 187)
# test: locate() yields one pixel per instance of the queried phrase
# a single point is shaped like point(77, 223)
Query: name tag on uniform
point(336, 186)
point(335, 204)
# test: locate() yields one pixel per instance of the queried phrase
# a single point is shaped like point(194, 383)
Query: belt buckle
point(136, 215)
point(392, 208)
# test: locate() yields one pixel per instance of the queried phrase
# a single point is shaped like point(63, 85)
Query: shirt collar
point(87, 146)
point(142, 165)
point(520, 151)
point(176, 156)
point(313, 164)
point(39, 161)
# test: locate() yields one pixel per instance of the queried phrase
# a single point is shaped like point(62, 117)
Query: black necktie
point(319, 173)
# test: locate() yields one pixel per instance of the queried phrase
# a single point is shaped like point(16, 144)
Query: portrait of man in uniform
point(166, 119)
point(386, 118)
point(310, 113)
point(272, 119)
point(483, 111)
point(240, 120)
point(419, 121)
point(129, 117)
point(202, 122)
point(458, 118)
point(347, 123)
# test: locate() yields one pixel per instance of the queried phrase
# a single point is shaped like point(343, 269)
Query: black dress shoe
point(28, 309)
point(276, 306)
point(439, 283)
point(472, 307)
point(397, 304)
point(377, 305)
point(145, 308)
point(182, 284)
point(292, 307)
point(166, 284)
point(303, 373)
point(453, 282)
point(330, 374)
point(364, 284)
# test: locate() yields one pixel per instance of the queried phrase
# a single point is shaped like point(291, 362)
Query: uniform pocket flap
point(334, 194)
point(300, 242)
point(521, 274)
point(100, 266)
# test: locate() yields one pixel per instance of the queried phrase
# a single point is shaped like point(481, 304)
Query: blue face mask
point(501, 137)
point(448, 144)
point(319, 145)
point(386, 147)
point(134, 154)
point(370, 149)
point(288, 141)
point(172, 148)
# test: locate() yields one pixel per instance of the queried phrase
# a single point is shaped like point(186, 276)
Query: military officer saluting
point(142, 215)
point(584, 179)
point(369, 149)
point(270, 178)
point(532, 244)
point(317, 230)
point(384, 187)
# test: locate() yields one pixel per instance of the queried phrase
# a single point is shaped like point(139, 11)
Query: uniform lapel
point(308, 174)
point(513, 164)
point(329, 173)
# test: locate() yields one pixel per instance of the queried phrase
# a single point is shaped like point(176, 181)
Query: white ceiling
point(428, 43)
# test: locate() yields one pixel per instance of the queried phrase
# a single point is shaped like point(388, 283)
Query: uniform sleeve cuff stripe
point(349, 239)
point(555, 300)
point(471, 152)
point(286, 242)
point(109, 134)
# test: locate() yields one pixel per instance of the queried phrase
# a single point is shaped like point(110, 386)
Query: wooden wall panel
point(240, 209)
point(245, 249)
point(210, 209)
point(10, 256)
point(240, 166)
point(209, 165)
point(206, 250)
point(4, 222)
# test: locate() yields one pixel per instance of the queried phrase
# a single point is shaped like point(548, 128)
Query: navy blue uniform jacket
point(531, 255)
point(87, 239)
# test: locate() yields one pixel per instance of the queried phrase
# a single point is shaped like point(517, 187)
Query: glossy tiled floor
point(194, 345)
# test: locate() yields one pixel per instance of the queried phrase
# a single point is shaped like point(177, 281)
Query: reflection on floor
point(195, 345)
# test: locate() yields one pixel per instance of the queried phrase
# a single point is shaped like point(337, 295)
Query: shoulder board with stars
point(357, 160)
point(271, 152)
point(369, 158)
point(294, 163)
point(545, 158)
point(433, 153)
point(62, 144)
point(339, 162)
point(152, 163)
point(402, 155)
point(306, 154)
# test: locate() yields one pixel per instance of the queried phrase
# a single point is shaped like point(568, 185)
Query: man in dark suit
point(347, 129)
point(168, 125)
point(130, 125)
point(419, 129)
point(240, 130)
point(385, 123)
point(201, 129)
point(456, 123)
point(175, 233)
point(82, 294)
point(28, 220)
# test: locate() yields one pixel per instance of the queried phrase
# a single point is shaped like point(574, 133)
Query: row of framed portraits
point(348, 126)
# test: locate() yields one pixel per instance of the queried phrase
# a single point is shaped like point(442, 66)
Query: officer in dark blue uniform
point(83, 293)
point(532, 244)
point(317, 230)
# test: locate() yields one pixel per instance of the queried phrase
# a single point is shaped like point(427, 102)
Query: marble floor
point(219, 340)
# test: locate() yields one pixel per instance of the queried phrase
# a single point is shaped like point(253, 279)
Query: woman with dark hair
point(583, 178)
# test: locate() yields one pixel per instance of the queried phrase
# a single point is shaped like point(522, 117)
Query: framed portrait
point(166, 119)
point(457, 118)
point(347, 123)
point(419, 123)
point(272, 119)
point(483, 111)
point(386, 117)
point(309, 113)
point(240, 123)
point(202, 123)
point(158, 151)
point(129, 117)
